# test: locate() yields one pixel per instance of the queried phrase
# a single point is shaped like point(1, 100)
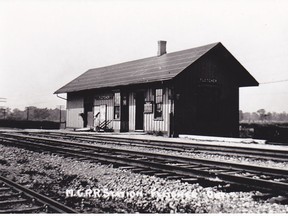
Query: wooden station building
point(194, 91)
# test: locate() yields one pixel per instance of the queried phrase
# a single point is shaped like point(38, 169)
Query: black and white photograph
point(144, 106)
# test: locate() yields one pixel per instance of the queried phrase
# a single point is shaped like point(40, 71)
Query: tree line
point(44, 114)
point(33, 113)
point(262, 116)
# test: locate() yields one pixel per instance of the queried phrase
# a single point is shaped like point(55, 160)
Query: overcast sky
point(44, 44)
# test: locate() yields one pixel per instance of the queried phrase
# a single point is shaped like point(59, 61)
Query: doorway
point(88, 112)
point(100, 115)
point(139, 111)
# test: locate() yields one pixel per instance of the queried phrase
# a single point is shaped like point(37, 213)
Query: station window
point(158, 103)
point(117, 105)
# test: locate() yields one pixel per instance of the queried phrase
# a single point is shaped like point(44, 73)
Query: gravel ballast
point(204, 155)
point(52, 175)
point(208, 156)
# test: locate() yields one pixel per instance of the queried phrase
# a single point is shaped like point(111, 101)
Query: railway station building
point(194, 91)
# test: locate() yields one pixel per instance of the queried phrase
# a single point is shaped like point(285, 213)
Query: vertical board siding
point(151, 124)
point(75, 106)
point(132, 111)
point(208, 102)
point(116, 125)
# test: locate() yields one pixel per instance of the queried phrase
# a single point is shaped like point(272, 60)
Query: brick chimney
point(161, 48)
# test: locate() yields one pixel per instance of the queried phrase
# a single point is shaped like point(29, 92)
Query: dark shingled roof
point(157, 68)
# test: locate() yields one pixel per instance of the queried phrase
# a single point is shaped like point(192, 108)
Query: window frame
point(117, 103)
point(158, 101)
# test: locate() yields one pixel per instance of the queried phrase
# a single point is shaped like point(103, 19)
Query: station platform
point(192, 139)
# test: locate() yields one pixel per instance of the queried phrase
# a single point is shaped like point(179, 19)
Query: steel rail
point(172, 158)
point(120, 156)
point(48, 203)
point(267, 154)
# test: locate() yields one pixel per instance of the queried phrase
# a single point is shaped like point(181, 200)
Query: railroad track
point(15, 198)
point(187, 169)
point(249, 152)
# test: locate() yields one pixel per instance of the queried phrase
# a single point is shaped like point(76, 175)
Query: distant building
point(194, 91)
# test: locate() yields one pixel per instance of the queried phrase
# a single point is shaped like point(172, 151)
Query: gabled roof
point(158, 68)
point(147, 70)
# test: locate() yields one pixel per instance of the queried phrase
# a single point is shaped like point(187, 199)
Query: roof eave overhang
point(249, 85)
point(113, 86)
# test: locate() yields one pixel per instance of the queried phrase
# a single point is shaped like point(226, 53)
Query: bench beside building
point(194, 91)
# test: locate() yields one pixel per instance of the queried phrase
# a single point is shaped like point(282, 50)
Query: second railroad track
point(185, 168)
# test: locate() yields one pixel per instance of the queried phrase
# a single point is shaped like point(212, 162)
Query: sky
point(44, 44)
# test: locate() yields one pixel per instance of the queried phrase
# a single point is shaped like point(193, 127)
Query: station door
point(100, 115)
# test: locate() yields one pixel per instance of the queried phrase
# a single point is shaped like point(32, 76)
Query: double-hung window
point(158, 103)
point(117, 105)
